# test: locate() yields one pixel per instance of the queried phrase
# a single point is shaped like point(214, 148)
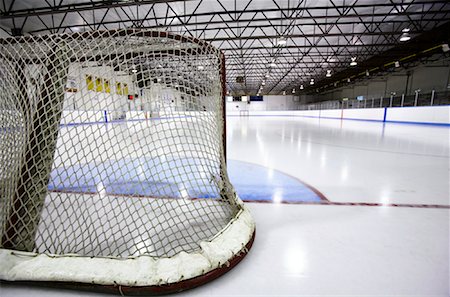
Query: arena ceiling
point(275, 46)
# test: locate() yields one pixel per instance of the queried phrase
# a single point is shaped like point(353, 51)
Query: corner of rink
point(141, 271)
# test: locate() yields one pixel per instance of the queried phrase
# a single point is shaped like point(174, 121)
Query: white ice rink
point(384, 231)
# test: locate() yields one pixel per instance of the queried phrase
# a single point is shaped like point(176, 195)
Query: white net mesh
point(111, 145)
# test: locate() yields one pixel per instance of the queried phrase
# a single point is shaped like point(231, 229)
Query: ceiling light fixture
point(273, 64)
point(301, 87)
point(293, 91)
point(367, 73)
point(353, 62)
point(281, 41)
point(445, 47)
point(405, 36)
point(284, 92)
point(397, 64)
point(328, 73)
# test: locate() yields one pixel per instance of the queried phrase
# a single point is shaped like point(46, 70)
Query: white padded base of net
point(134, 271)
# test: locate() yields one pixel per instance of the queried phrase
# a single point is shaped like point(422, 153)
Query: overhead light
point(158, 79)
point(293, 91)
point(281, 41)
point(284, 92)
point(268, 75)
point(273, 65)
point(301, 87)
point(200, 67)
point(133, 69)
point(397, 64)
point(353, 62)
point(263, 83)
point(312, 81)
point(348, 79)
point(400, 9)
point(367, 72)
point(331, 59)
point(405, 35)
point(328, 73)
point(445, 47)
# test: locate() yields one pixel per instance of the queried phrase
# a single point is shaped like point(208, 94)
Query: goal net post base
point(135, 276)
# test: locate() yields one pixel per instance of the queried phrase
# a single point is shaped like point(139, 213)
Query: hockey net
point(112, 164)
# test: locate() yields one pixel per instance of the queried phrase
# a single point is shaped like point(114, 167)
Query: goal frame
point(20, 266)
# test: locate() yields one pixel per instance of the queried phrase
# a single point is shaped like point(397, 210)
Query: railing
point(418, 99)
